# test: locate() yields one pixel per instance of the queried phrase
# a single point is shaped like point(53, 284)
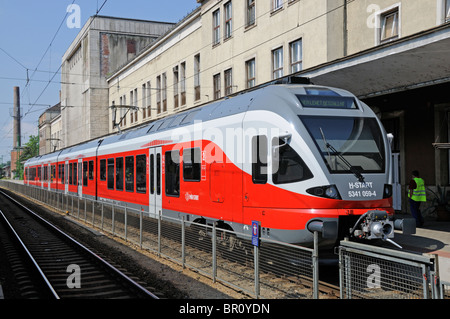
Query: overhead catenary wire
point(29, 79)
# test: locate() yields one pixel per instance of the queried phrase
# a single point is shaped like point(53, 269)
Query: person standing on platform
point(417, 195)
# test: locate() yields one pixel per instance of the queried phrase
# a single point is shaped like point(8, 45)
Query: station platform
point(432, 238)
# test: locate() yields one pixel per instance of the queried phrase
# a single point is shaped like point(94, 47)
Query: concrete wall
point(103, 45)
point(364, 19)
point(319, 24)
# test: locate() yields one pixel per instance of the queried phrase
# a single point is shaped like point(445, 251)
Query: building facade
point(393, 54)
point(103, 45)
point(50, 130)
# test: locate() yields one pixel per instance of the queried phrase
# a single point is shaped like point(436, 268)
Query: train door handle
point(246, 197)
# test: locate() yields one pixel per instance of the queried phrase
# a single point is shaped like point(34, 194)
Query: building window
point(216, 27)
point(158, 94)
point(251, 73)
point(135, 104)
point(148, 99)
point(228, 8)
point(175, 87)
point(164, 92)
point(251, 13)
point(197, 76)
point(389, 25)
point(123, 102)
point(277, 4)
point(277, 63)
point(296, 56)
point(217, 93)
point(228, 82)
point(144, 102)
point(183, 83)
point(131, 102)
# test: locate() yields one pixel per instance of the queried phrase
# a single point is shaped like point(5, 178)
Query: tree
point(31, 149)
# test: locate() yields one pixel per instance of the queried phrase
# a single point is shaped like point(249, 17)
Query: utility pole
point(17, 142)
point(15, 154)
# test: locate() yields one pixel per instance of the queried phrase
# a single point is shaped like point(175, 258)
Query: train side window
point(61, 173)
point(70, 174)
point(91, 170)
point(152, 174)
point(85, 174)
point(103, 170)
point(129, 173)
point(75, 175)
point(287, 165)
point(110, 173)
point(191, 164)
point(53, 172)
point(141, 174)
point(259, 159)
point(172, 173)
point(119, 173)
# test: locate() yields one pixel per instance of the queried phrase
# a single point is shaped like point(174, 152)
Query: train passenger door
point(155, 181)
point(80, 177)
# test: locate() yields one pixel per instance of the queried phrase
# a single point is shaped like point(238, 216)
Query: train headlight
point(329, 191)
point(387, 192)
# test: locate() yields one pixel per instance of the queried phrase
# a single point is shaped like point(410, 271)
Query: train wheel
point(226, 240)
point(200, 230)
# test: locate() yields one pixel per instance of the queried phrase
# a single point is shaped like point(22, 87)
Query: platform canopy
point(412, 62)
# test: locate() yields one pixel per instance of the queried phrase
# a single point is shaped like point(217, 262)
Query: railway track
point(47, 263)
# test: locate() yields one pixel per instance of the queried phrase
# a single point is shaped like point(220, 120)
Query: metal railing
point(444, 290)
point(370, 272)
point(271, 270)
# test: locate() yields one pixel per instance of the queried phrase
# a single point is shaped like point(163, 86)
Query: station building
point(102, 45)
point(393, 54)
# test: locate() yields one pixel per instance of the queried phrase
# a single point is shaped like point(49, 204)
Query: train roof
point(268, 97)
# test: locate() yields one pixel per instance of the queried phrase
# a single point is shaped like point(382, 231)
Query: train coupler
point(377, 224)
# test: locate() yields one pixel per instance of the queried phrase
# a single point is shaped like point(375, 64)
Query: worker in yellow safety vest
point(417, 195)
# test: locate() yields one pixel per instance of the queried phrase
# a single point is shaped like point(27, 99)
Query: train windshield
point(348, 144)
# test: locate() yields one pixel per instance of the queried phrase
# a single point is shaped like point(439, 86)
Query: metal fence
point(272, 270)
point(369, 272)
point(444, 290)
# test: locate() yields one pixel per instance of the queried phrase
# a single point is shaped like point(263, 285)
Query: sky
point(34, 36)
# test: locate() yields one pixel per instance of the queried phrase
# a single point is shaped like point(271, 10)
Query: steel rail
point(87, 250)
point(28, 253)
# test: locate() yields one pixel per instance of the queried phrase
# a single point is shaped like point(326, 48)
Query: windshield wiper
point(352, 169)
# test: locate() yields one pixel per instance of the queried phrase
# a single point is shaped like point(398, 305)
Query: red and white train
point(297, 158)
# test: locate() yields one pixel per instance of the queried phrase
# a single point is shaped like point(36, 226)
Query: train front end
point(354, 150)
point(345, 153)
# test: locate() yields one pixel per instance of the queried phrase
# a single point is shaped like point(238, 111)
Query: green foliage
point(29, 150)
